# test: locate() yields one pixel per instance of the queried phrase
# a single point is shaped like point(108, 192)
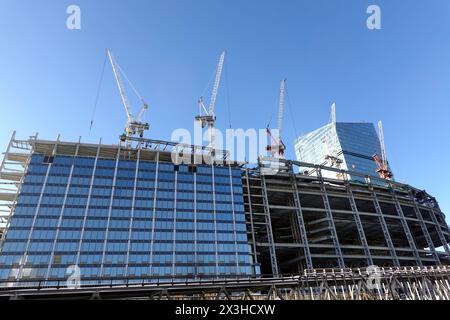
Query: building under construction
point(293, 223)
point(128, 221)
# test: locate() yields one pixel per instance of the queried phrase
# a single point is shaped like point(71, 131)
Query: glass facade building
point(353, 143)
point(126, 218)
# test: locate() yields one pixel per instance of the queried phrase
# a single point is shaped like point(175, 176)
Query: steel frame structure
point(401, 283)
point(343, 223)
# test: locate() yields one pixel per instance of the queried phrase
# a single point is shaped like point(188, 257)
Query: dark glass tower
point(353, 143)
point(125, 213)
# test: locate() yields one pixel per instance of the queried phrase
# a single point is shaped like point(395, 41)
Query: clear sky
point(401, 74)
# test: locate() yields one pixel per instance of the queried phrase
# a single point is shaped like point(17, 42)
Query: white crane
point(333, 113)
point(208, 117)
point(383, 147)
point(277, 147)
point(134, 123)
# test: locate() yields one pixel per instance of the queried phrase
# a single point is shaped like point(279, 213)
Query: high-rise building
point(120, 212)
point(348, 146)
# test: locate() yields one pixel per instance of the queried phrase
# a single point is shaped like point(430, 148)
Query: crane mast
point(383, 147)
point(277, 147)
point(215, 91)
point(134, 125)
point(382, 164)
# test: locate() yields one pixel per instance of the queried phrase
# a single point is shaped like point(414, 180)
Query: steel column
point(406, 229)
point(270, 239)
point(300, 220)
point(334, 235)
point(384, 227)
point(359, 226)
point(113, 188)
point(424, 228)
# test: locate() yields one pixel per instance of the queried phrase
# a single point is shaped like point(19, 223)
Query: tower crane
point(332, 156)
point(382, 164)
point(134, 126)
point(208, 117)
point(277, 146)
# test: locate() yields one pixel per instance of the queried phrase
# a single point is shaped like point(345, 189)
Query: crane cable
point(291, 114)
point(99, 87)
point(130, 83)
point(208, 85)
point(275, 103)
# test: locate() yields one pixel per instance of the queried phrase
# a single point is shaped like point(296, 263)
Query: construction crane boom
point(208, 117)
point(134, 124)
point(382, 164)
point(215, 91)
point(120, 85)
point(277, 147)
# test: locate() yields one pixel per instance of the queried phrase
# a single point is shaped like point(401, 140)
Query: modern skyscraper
point(348, 146)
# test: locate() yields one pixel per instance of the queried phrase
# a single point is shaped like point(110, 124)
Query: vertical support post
point(252, 226)
point(215, 217)
point(268, 220)
point(155, 197)
point(174, 227)
point(424, 229)
point(234, 219)
point(359, 226)
point(66, 192)
point(300, 220)
point(38, 207)
point(439, 230)
point(384, 227)
point(88, 202)
point(113, 189)
point(406, 229)
point(136, 175)
point(334, 235)
point(195, 249)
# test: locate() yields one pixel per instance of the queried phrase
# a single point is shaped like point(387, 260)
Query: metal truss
point(405, 283)
point(12, 172)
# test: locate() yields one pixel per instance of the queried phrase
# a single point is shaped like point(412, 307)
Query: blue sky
point(400, 74)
